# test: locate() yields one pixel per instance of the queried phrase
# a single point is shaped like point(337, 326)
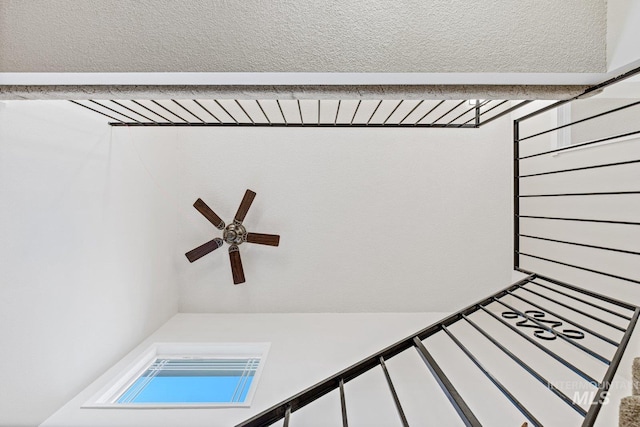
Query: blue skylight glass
point(184, 381)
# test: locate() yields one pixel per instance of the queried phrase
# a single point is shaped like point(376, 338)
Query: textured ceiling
point(303, 36)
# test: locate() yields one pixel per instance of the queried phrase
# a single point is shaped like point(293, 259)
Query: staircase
point(630, 406)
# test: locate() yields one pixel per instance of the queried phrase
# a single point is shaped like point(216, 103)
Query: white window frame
point(563, 117)
point(108, 396)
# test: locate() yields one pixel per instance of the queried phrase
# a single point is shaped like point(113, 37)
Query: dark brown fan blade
point(202, 250)
point(244, 206)
point(263, 239)
point(236, 265)
point(209, 214)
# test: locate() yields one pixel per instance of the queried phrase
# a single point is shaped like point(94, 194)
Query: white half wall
point(87, 254)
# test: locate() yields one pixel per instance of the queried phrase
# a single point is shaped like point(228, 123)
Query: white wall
point(623, 33)
point(303, 36)
point(371, 220)
point(87, 253)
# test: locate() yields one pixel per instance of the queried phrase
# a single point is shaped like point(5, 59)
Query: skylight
point(182, 375)
point(193, 381)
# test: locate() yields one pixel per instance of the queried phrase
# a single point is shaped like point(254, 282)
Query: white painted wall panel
point(86, 253)
point(370, 220)
point(623, 33)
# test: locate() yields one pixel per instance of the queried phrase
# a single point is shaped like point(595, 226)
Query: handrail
point(470, 315)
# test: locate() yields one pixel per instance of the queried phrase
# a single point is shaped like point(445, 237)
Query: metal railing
point(572, 329)
point(302, 113)
point(543, 160)
point(534, 303)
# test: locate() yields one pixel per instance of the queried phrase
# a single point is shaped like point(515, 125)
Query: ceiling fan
point(234, 234)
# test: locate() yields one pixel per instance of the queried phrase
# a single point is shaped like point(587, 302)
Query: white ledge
point(277, 79)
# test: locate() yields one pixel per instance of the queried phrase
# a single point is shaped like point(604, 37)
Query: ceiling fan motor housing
point(234, 234)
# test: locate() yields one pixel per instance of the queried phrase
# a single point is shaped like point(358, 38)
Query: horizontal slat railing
point(611, 119)
point(588, 159)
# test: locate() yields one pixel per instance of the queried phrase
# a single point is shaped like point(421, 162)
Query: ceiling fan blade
point(263, 239)
point(202, 250)
point(236, 265)
point(209, 214)
point(244, 206)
